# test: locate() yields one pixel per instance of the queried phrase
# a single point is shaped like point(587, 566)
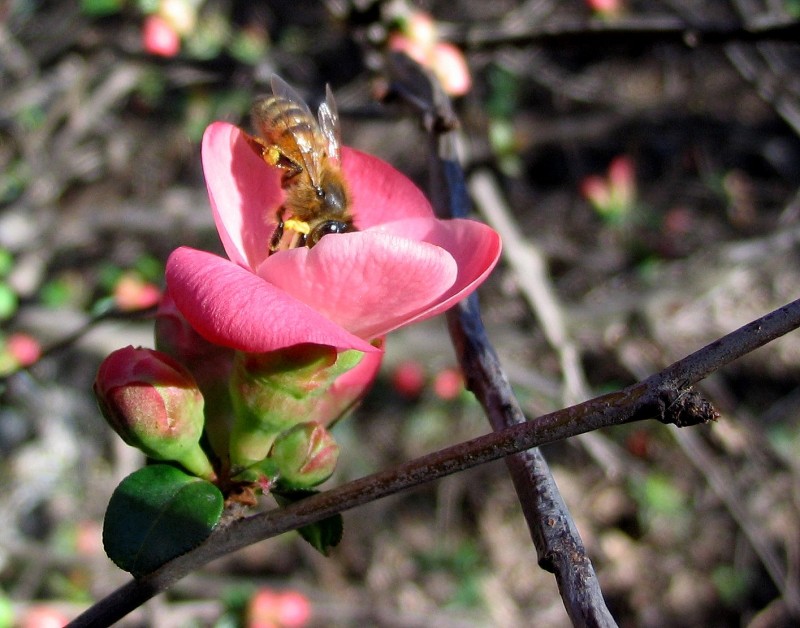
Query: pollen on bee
point(272, 155)
point(297, 225)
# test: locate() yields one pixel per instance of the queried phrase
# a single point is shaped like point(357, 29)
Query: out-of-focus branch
point(566, 30)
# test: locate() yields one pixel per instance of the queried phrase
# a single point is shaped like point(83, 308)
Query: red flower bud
point(154, 404)
point(305, 455)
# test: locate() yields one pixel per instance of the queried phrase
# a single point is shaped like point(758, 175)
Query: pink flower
point(159, 37)
point(402, 266)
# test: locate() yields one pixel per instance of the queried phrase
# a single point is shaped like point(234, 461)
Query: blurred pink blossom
point(131, 292)
point(419, 39)
point(43, 617)
point(159, 37)
point(448, 383)
point(606, 8)
point(408, 378)
point(23, 349)
point(274, 609)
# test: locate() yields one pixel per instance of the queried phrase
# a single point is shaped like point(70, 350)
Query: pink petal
point(380, 193)
point(369, 282)
point(245, 193)
point(474, 246)
point(231, 306)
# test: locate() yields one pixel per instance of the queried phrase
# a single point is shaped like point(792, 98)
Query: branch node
point(687, 408)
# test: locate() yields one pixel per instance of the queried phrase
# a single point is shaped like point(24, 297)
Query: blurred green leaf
point(31, 118)
point(209, 37)
point(108, 275)
point(148, 6)
point(8, 302)
point(248, 46)
point(13, 181)
point(731, 583)
point(6, 611)
point(659, 495)
point(151, 87)
point(63, 291)
point(504, 92)
point(99, 8)
point(6, 262)
point(156, 514)
point(323, 535)
point(150, 268)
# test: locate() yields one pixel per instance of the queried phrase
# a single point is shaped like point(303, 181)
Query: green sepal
point(322, 535)
point(156, 514)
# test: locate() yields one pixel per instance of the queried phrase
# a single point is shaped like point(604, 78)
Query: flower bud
point(154, 404)
point(275, 391)
point(210, 365)
point(305, 455)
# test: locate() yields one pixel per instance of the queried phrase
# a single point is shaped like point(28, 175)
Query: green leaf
point(156, 514)
point(323, 535)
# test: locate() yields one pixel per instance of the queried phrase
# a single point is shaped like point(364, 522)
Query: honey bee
point(307, 150)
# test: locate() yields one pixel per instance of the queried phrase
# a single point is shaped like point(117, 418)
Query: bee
point(307, 150)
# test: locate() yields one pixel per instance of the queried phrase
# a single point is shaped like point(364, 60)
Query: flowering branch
point(665, 396)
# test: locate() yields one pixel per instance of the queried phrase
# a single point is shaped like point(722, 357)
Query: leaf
point(322, 535)
point(156, 514)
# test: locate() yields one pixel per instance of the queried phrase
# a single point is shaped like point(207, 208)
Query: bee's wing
point(329, 125)
point(309, 145)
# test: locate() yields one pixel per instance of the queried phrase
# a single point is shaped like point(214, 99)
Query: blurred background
point(641, 160)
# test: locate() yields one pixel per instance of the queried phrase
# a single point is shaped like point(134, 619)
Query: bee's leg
point(277, 235)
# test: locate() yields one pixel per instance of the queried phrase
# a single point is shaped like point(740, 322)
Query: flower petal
point(380, 193)
point(369, 282)
point(245, 193)
point(474, 246)
point(230, 306)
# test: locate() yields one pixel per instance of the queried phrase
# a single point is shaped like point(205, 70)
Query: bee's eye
point(324, 228)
